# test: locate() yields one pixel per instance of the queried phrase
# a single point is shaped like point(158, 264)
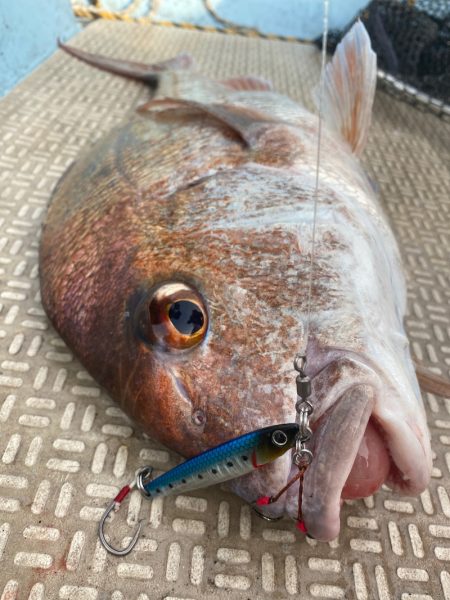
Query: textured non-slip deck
point(66, 449)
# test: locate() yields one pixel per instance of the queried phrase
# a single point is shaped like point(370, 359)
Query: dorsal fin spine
point(349, 88)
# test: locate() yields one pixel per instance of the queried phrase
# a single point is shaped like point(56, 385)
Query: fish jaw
point(353, 397)
point(336, 445)
point(343, 426)
point(357, 410)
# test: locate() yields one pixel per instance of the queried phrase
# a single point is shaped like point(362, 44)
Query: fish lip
point(335, 454)
point(411, 459)
point(322, 515)
point(253, 488)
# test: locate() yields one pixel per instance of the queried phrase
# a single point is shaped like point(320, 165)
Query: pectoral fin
point(349, 88)
point(126, 68)
point(244, 121)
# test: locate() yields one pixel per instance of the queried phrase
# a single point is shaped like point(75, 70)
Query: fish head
point(219, 318)
point(211, 330)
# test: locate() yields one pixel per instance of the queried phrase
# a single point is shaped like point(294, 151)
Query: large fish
point(174, 262)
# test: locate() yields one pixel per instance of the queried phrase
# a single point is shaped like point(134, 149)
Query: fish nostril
point(199, 417)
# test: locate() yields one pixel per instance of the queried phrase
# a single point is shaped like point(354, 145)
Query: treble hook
point(114, 506)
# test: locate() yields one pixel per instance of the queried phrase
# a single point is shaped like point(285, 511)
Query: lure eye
point(177, 317)
point(279, 438)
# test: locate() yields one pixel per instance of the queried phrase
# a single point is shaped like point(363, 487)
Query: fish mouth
point(338, 438)
point(355, 451)
point(327, 475)
point(360, 442)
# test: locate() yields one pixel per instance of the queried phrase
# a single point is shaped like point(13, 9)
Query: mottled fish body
point(174, 262)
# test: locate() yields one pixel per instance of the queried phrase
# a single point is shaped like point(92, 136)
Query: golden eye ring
point(178, 318)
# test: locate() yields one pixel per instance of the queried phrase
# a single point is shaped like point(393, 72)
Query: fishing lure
point(231, 459)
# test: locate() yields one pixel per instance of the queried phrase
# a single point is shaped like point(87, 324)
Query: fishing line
point(302, 455)
point(316, 185)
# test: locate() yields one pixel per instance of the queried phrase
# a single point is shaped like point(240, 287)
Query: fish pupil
point(186, 317)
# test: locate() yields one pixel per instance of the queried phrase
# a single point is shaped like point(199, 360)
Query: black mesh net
point(412, 42)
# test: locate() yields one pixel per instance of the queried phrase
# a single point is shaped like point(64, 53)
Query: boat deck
point(65, 447)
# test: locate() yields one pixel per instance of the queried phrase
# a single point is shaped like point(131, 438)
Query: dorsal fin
point(349, 88)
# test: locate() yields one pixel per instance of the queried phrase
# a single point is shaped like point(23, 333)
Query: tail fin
point(349, 88)
point(134, 70)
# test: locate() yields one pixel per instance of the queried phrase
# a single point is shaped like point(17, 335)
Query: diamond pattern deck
point(65, 448)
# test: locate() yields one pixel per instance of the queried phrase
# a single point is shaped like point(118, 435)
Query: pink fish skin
point(203, 203)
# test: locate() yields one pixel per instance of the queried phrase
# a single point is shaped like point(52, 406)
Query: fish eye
point(279, 438)
point(177, 317)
